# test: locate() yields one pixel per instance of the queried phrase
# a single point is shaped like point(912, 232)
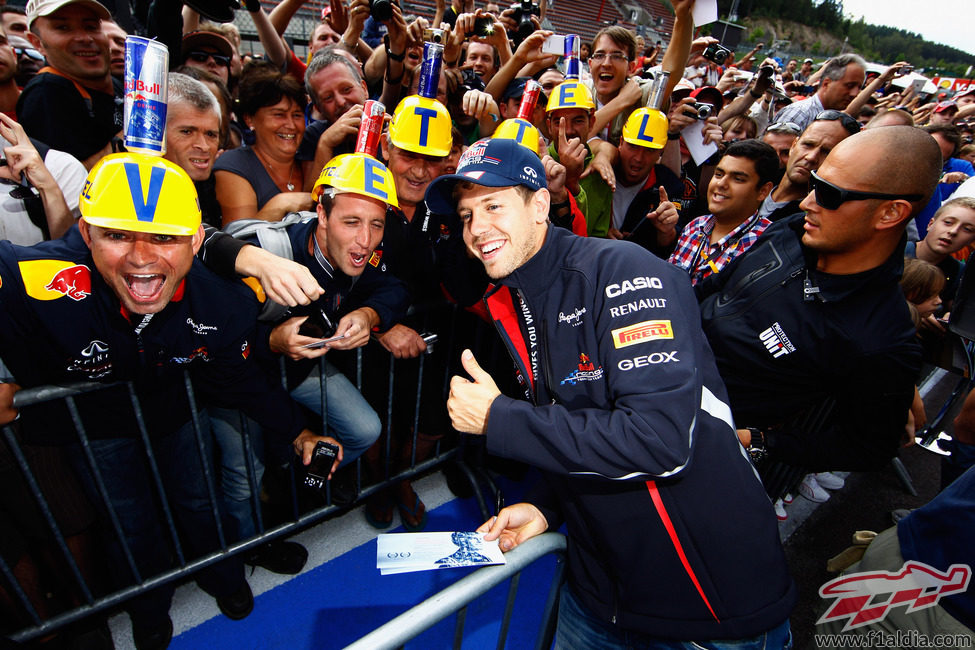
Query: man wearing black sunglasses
point(818, 316)
point(208, 51)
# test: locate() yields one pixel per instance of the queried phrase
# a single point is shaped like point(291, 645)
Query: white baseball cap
point(37, 8)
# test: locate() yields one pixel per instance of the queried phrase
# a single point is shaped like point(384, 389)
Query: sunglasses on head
point(831, 197)
point(845, 120)
point(199, 56)
point(785, 127)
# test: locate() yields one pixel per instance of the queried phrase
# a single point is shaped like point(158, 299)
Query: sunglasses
point(200, 56)
point(28, 52)
point(833, 115)
point(785, 127)
point(831, 197)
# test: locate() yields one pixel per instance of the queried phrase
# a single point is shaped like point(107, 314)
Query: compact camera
point(717, 53)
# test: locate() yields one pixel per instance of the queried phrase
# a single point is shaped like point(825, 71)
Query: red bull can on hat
point(370, 128)
point(430, 70)
point(529, 99)
point(146, 94)
point(571, 56)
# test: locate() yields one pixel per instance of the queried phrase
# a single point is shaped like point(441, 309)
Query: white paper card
point(694, 139)
point(402, 552)
point(704, 12)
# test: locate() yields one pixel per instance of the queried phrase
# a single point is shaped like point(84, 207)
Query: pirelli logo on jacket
point(648, 330)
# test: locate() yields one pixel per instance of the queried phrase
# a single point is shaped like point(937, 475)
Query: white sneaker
point(830, 481)
point(812, 490)
point(787, 499)
point(780, 512)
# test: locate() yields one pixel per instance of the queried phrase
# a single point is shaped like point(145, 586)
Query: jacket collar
point(542, 269)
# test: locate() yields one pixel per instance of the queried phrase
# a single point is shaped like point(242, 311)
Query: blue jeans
point(235, 488)
point(121, 462)
point(350, 419)
point(578, 629)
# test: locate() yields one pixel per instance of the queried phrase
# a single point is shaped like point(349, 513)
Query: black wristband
point(559, 206)
point(754, 96)
point(390, 55)
point(673, 136)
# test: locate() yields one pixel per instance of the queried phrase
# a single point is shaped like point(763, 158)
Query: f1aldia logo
point(868, 597)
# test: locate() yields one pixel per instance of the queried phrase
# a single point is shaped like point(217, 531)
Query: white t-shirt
point(15, 223)
point(622, 198)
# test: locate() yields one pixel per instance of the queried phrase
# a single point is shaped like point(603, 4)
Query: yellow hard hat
point(357, 173)
point(421, 125)
point(646, 127)
point(142, 193)
point(570, 94)
point(521, 131)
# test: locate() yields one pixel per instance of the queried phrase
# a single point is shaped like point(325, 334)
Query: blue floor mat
point(344, 599)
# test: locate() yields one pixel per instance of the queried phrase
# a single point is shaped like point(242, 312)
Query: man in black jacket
point(626, 416)
point(813, 316)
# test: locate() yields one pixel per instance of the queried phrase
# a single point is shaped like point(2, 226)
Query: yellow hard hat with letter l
point(356, 173)
point(421, 125)
point(140, 193)
point(646, 127)
point(570, 94)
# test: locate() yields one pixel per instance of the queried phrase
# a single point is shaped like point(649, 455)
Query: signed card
point(403, 552)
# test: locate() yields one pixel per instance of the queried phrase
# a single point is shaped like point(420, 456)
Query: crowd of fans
point(731, 148)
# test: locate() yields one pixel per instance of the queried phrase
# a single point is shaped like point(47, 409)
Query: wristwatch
point(756, 448)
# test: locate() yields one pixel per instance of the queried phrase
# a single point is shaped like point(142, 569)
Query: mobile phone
point(554, 44)
point(318, 325)
point(322, 459)
point(321, 344)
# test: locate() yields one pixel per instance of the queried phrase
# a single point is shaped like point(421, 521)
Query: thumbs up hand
point(470, 401)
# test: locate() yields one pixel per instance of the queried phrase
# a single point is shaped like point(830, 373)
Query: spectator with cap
point(780, 137)
point(208, 51)
point(805, 156)
point(840, 83)
point(612, 63)
point(741, 181)
point(570, 115)
point(613, 431)
point(944, 112)
point(73, 104)
point(805, 71)
point(642, 210)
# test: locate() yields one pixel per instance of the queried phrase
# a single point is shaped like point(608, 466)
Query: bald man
point(812, 316)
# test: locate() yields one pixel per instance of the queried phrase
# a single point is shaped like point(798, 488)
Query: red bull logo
point(866, 598)
point(74, 282)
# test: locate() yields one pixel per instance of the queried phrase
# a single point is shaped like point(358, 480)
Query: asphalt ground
point(864, 503)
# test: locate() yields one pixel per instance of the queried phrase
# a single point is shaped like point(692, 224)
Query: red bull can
point(146, 94)
point(572, 45)
point(370, 128)
point(529, 99)
point(430, 70)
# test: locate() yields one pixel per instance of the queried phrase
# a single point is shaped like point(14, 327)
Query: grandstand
point(582, 17)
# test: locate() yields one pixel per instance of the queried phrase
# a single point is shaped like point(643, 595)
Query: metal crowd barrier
point(456, 598)
point(92, 602)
